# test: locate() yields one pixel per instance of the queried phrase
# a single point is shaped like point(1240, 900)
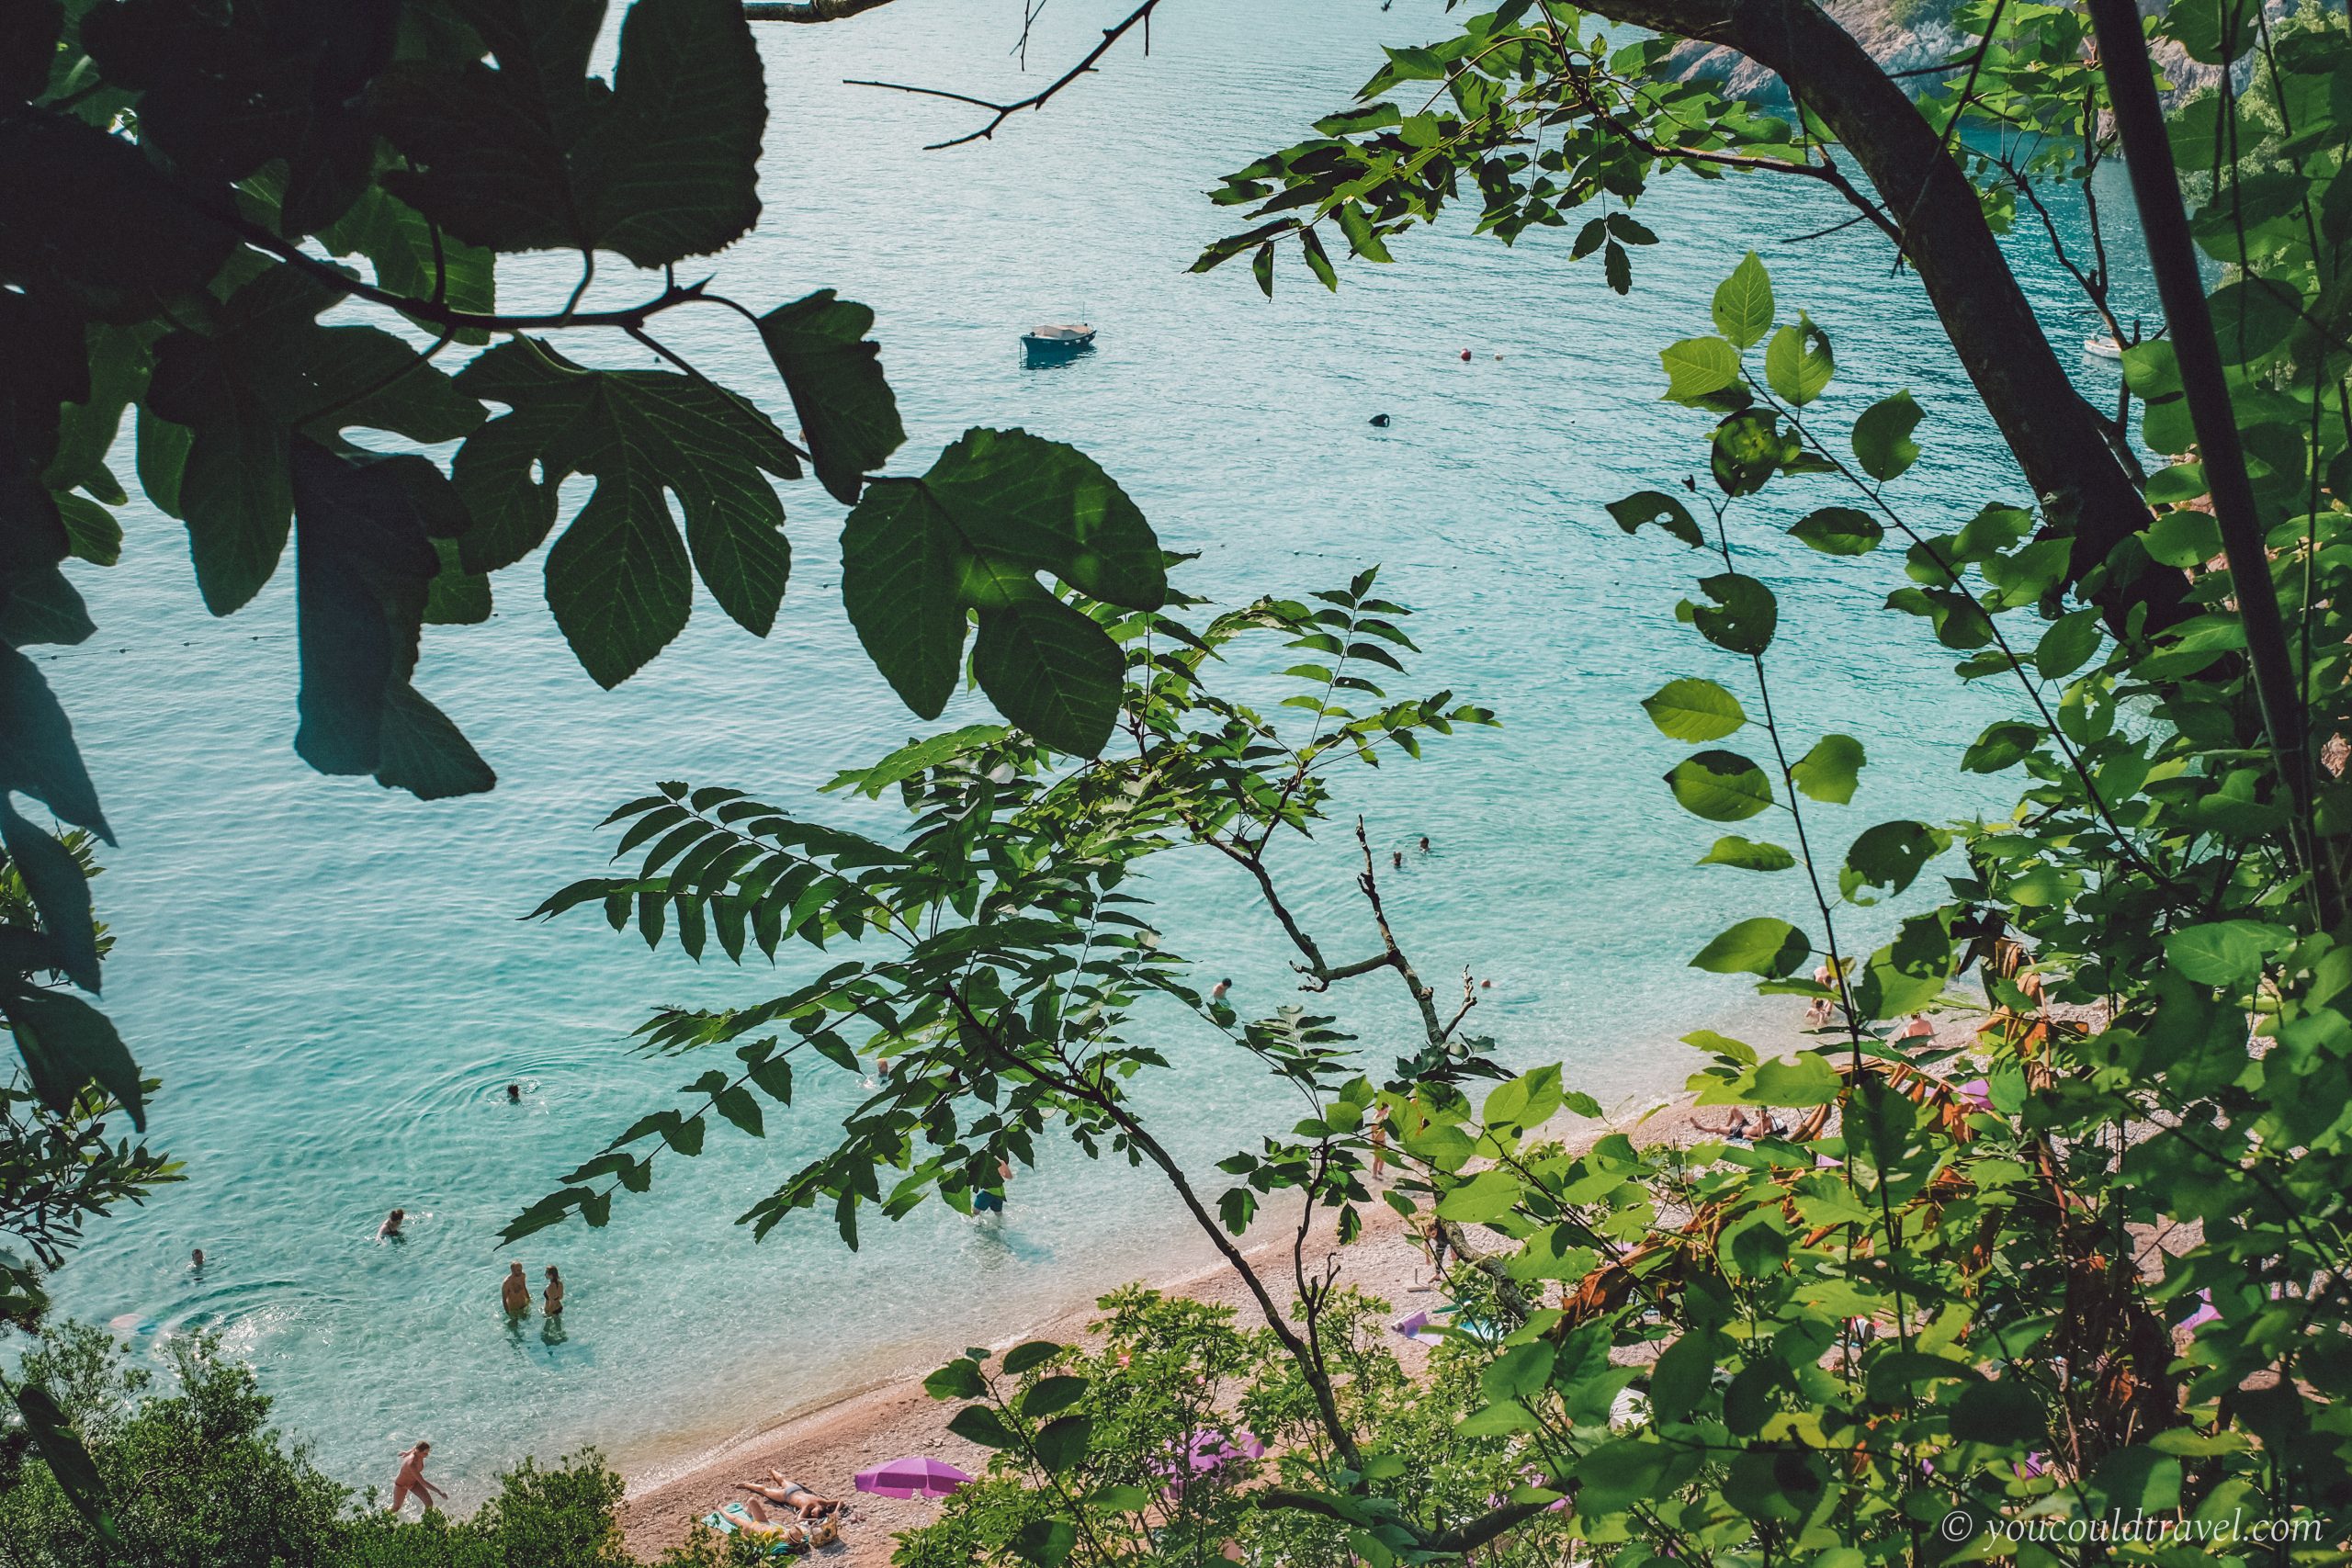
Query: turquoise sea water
point(336, 984)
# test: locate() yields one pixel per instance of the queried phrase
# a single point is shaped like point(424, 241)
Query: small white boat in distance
point(2101, 346)
point(1056, 341)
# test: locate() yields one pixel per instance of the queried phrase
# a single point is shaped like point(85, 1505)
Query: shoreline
point(824, 1445)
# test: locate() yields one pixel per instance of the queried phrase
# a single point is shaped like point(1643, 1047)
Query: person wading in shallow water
point(555, 1292)
point(515, 1293)
point(410, 1479)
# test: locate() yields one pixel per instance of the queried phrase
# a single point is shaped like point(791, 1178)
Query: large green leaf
point(1829, 770)
point(2222, 952)
point(69, 1462)
point(1051, 670)
point(1744, 616)
point(900, 583)
point(531, 154)
point(617, 579)
point(1697, 367)
point(1798, 364)
point(1743, 306)
point(1890, 856)
point(1748, 854)
point(67, 1043)
point(1839, 531)
point(1883, 441)
point(268, 374)
point(1062, 1442)
point(1654, 506)
point(847, 412)
point(84, 217)
point(59, 891)
point(363, 569)
point(1760, 947)
point(38, 756)
point(1694, 710)
point(998, 507)
point(1722, 786)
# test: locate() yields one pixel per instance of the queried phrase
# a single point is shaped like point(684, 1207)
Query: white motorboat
point(2099, 345)
point(1057, 340)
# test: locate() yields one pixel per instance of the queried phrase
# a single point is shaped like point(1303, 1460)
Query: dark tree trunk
point(2054, 435)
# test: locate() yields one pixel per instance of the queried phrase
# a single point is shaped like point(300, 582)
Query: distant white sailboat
point(2102, 347)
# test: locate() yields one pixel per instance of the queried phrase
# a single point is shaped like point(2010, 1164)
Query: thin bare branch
point(1000, 112)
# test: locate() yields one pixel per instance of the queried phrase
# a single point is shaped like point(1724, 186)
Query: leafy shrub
point(199, 1478)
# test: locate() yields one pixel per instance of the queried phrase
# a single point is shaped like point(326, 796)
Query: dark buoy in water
point(1465, 355)
point(1381, 419)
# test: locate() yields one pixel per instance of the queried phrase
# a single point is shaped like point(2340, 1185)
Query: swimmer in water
point(515, 1292)
point(1396, 859)
point(1217, 992)
point(513, 1094)
point(390, 1229)
point(196, 1260)
point(1425, 844)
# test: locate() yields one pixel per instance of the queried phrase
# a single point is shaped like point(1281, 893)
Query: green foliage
point(189, 193)
point(198, 1478)
point(1007, 950)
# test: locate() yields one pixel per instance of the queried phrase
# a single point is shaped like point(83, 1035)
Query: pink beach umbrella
point(912, 1478)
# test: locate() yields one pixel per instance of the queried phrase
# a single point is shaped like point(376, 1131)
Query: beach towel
point(733, 1517)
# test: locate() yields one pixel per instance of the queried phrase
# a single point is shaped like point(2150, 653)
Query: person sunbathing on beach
point(790, 1495)
point(1736, 1128)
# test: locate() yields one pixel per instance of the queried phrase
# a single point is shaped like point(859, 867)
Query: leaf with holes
point(1743, 616)
point(1657, 507)
point(1798, 364)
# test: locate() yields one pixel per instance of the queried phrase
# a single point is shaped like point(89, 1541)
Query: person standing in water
point(1219, 991)
point(410, 1479)
point(1425, 844)
point(196, 1261)
point(514, 1292)
point(555, 1292)
point(390, 1229)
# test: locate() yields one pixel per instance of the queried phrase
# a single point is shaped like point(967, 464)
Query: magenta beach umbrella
point(912, 1478)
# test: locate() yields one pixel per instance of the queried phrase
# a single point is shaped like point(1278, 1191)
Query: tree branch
point(1984, 311)
point(1000, 112)
point(2139, 120)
